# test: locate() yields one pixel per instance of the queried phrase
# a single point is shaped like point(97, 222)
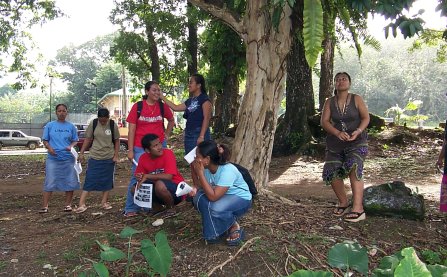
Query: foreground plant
point(158, 255)
point(351, 256)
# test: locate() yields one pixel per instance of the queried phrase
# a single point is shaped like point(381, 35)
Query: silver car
point(18, 138)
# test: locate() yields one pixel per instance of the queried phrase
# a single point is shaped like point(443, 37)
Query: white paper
point(78, 167)
point(182, 189)
point(74, 153)
point(143, 196)
point(191, 155)
point(134, 162)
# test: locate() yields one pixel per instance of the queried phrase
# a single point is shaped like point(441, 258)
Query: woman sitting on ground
point(222, 197)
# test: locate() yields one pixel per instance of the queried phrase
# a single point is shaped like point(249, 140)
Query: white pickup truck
point(18, 138)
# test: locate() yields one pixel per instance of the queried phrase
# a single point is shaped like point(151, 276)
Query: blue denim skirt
point(191, 136)
point(99, 175)
point(220, 215)
point(60, 176)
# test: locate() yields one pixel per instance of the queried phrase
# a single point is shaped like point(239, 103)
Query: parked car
point(18, 138)
point(81, 135)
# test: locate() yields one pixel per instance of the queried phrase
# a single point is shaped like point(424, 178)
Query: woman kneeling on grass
point(223, 195)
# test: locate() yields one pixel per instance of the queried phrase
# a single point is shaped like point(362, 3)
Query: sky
point(87, 19)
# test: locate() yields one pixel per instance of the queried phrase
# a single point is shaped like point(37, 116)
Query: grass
point(70, 255)
point(86, 244)
point(2, 265)
point(25, 158)
point(42, 257)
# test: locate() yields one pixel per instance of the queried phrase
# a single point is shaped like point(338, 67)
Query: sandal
point(238, 240)
point(130, 214)
point(43, 210)
point(68, 209)
point(355, 216)
point(81, 209)
point(106, 206)
point(340, 211)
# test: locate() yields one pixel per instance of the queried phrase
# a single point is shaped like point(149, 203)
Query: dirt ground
point(280, 237)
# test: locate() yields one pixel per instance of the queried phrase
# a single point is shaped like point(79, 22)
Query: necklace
point(152, 111)
point(342, 113)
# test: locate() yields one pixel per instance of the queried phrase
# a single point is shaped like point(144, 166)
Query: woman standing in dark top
point(345, 118)
point(197, 110)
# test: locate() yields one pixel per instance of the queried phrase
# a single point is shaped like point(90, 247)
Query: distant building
point(113, 101)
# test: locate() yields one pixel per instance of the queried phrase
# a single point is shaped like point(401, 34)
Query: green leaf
point(437, 270)
point(158, 256)
point(291, 3)
point(127, 232)
point(349, 255)
point(386, 267)
point(110, 254)
point(410, 265)
point(308, 273)
point(312, 30)
point(101, 269)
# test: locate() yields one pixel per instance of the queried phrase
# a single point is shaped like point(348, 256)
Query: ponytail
point(219, 153)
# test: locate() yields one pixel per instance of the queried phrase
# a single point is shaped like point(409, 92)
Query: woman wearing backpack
point(103, 136)
point(145, 117)
point(221, 194)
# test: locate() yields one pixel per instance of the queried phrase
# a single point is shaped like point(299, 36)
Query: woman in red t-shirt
point(149, 120)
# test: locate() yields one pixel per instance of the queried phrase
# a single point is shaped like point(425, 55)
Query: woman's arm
point(169, 128)
point(85, 145)
point(364, 117)
point(176, 107)
point(131, 140)
point(207, 110)
point(213, 193)
point(441, 156)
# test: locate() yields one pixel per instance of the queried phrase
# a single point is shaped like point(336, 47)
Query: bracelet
point(201, 137)
point(358, 129)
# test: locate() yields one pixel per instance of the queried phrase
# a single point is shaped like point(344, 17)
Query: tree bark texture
point(192, 45)
point(227, 105)
point(267, 49)
point(153, 53)
point(293, 131)
point(327, 56)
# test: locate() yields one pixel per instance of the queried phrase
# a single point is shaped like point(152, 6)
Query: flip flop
point(355, 216)
point(130, 214)
point(68, 209)
point(43, 210)
point(81, 209)
point(340, 211)
point(106, 206)
point(238, 240)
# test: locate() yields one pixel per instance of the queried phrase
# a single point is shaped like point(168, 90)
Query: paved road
point(14, 151)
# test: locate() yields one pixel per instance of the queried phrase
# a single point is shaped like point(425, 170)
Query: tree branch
point(220, 11)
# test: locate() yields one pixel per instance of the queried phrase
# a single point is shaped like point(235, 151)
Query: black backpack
point(247, 178)
point(162, 110)
point(112, 128)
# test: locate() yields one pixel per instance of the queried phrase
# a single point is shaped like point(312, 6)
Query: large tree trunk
point(192, 42)
point(327, 57)
point(293, 131)
point(226, 106)
point(153, 53)
point(267, 49)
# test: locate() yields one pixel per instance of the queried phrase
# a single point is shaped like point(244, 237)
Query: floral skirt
point(339, 164)
point(443, 198)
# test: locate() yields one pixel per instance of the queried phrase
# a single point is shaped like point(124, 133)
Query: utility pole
point(51, 93)
point(96, 94)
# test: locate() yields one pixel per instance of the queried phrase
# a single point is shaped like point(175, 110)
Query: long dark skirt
point(100, 175)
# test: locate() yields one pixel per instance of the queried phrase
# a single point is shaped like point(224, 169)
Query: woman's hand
point(193, 192)
point(200, 139)
point(139, 177)
point(51, 151)
point(355, 134)
point(343, 136)
point(197, 165)
point(130, 155)
point(81, 157)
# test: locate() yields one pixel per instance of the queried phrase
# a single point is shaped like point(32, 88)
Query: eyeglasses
point(344, 79)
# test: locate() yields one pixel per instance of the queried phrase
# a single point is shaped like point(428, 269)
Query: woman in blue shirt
point(59, 137)
point(222, 197)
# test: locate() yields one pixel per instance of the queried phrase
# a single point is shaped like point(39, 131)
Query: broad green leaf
point(308, 273)
point(386, 267)
point(276, 17)
point(158, 256)
point(349, 255)
point(312, 30)
point(101, 269)
point(110, 254)
point(127, 232)
point(437, 270)
point(410, 265)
